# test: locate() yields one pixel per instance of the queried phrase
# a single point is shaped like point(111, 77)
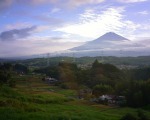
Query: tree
point(142, 116)
point(129, 116)
point(68, 74)
point(3, 77)
point(101, 89)
point(95, 64)
point(12, 82)
point(5, 73)
point(21, 68)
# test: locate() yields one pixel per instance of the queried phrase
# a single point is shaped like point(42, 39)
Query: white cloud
point(93, 24)
point(144, 12)
point(36, 45)
point(55, 10)
point(131, 1)
point(42, 28)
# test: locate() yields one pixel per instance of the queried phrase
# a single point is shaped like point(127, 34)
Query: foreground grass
point(34, 100)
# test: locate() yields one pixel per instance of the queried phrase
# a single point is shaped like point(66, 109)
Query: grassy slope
point(34, 100)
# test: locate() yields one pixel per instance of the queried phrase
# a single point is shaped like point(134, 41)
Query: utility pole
point(102, 56)
point(73, 55)
point(48, 55)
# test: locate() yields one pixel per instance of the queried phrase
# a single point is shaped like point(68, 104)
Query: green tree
point(129, 116)
point(21, 68)
point(101, 89)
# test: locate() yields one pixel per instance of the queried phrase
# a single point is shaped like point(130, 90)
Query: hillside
point(53, 61)
point(32, 99)
point(66, 91)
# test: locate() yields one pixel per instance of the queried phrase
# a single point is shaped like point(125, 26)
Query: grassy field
point(32, 99)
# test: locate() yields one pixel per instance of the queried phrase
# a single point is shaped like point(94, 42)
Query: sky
point(29, 27)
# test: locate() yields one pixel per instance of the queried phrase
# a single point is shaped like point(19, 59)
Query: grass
point(34, 100)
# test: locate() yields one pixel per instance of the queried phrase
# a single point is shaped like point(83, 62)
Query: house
point(50, 80)
point(112, 100)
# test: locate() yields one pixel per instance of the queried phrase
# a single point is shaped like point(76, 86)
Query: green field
point(32, 99)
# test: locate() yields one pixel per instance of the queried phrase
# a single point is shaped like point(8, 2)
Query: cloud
point(35, 45)
point(68, 3)
point(5, 4)
point(51, 20)
point(77, 3)
point(143, 12)
point(94, 23)
point(55, 10)
point(17, 25)
point(36, 2)
point(131, 1)
point(16, 33)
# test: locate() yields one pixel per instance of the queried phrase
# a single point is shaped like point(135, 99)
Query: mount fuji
point(111, 44)
point(105, 41)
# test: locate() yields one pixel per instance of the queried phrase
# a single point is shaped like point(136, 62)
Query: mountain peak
point(111, 36)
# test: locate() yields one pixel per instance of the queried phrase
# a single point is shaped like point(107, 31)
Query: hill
point(32, 99)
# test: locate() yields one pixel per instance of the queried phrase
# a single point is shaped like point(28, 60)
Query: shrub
point(141, 115)
point(12, 83)
point(129, 116)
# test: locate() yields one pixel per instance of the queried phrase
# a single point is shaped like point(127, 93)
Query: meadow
point(32, 99)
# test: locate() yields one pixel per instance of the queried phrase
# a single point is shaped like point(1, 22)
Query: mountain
point(112, 44)
point(105, 41)
point(110, 36)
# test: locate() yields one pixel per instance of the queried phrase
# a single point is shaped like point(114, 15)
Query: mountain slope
point(110, 36)
point(105, 41)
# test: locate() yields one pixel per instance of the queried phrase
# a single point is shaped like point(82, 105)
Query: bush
point(64, 86)
point(12, 83)
point(129, 116)
point(141, 115)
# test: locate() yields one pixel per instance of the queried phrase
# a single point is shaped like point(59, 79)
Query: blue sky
point(43, 26)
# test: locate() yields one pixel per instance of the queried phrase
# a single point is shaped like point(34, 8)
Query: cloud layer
point(93, 24)
point(16, 34)
point(5, 4)
point(62, 24)
point(67, 3)
point(131, 1)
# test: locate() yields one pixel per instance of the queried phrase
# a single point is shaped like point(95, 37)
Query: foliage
point(105, 79)
point(12, 82)
point(140, 116)
point(5, 72)
point(21, 68)
point(138, 93)
point(101, 89)
point(129, 116)
point(32, 99)
point(54, 61)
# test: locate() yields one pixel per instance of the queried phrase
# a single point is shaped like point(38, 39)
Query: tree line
point(7, 71)
point(105, 79)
